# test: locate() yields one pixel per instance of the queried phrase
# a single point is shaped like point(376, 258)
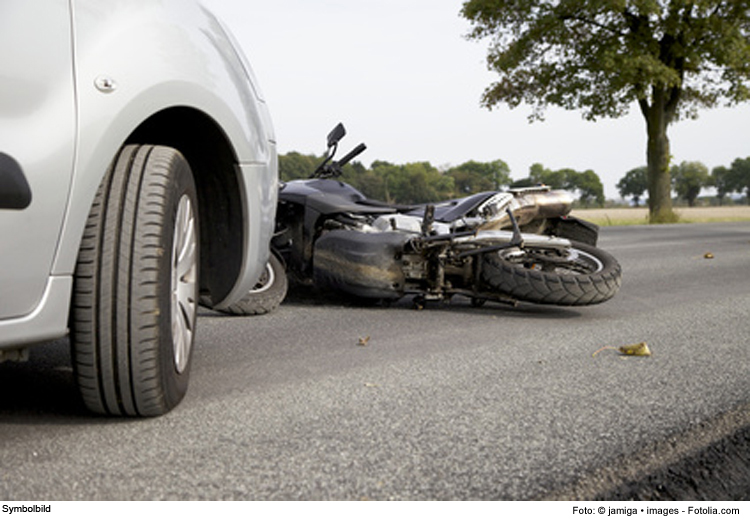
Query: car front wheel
point(136, 286)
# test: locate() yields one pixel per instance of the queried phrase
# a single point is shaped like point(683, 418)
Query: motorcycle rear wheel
point(586, 276)
point(267, 294)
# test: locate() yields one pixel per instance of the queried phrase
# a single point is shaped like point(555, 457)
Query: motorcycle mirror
point(337, 134)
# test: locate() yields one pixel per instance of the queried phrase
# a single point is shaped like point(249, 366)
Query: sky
point(403, 78)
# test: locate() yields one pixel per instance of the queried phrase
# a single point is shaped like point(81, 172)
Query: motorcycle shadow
point(306, 296)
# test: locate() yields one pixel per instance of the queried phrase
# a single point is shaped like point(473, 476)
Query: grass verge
point(639, 216)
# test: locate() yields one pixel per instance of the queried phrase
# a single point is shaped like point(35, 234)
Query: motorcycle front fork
point(436, 257)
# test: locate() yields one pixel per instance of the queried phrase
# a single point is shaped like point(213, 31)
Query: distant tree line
point(586, 184)
point(689, 178)
point(419, 182)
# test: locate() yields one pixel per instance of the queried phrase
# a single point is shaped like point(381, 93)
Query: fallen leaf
point(636, 350)
point(632, 350)
point(708, 255)
point(363, 341)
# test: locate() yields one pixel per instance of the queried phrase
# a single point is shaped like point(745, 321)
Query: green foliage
point(474, 177)
point(420, 182)
point(739, 176)
point(603, 55)
point(671, 57)
point(689, 178)
point(634, 184)
point(589, 187)
point(410, 183)
point(404, 184)
point(541, 175)
point(522, 182)
point(587, 183)
point(721, 181)
point(294, 166)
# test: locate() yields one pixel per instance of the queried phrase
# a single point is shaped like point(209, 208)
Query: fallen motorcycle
point(506, 246)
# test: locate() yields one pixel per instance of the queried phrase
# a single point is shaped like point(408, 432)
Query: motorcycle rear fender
point(574, 229)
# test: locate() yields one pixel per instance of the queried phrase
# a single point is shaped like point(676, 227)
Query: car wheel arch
point(221, 204)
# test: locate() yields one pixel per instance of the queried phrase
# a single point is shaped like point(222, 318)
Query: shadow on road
point(459, 304)
point(42, 386)
point(45, 385)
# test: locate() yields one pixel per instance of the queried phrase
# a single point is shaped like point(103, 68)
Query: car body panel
point(37, 122)
point(114, 65)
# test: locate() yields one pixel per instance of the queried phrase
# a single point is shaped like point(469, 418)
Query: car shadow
point(44, 385)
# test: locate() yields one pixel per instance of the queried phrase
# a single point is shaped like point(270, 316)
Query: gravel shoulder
point(709, 462)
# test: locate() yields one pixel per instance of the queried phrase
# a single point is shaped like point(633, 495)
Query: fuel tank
point(361, 264)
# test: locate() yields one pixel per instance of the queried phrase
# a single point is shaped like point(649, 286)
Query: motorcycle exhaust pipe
point(527, 205)
point(548, 204)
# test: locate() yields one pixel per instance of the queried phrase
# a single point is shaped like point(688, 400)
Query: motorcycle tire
point(587, 276)
point(267, 294)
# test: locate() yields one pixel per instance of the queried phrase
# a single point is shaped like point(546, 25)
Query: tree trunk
point(658, 158)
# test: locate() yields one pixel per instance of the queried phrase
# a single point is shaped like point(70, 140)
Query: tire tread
point(541, 287)
point(115, 313)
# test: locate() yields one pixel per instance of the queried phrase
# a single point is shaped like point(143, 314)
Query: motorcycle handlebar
point(326, 170)
point(351, 154)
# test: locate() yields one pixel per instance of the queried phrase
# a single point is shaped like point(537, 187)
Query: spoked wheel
point(267, 294)
point(136, 286)
point(582, 275)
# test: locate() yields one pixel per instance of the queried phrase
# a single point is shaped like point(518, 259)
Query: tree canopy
point(419, 182)
point(474, 177)
point(634, 184)
point(411, 183)
point(721, 181)
point(739, 176)
point(586, 184)
point(689, 178)
point(669, 57)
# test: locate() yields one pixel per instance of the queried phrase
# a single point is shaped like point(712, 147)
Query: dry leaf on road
point(632, 350)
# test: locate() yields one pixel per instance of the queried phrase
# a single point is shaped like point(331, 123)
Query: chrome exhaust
point(526, 204)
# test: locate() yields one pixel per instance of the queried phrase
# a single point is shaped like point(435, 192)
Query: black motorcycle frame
point(319, 237)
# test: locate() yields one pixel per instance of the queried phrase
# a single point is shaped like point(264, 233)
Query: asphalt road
point(450, 402)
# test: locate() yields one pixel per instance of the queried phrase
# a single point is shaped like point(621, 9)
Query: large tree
point(670, 57)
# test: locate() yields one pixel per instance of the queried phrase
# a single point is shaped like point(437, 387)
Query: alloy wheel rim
point(184, 288)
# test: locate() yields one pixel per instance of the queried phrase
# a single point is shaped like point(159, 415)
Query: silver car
point(138, 177)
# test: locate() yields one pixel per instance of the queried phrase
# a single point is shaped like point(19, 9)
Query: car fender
point(122, 79)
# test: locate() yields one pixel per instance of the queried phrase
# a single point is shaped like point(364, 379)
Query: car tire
point(135, 295)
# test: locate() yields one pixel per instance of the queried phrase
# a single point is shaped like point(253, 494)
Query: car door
point(37, 145)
